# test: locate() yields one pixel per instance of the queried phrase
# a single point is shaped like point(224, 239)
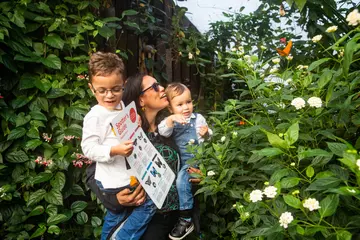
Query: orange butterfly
point(286, 51)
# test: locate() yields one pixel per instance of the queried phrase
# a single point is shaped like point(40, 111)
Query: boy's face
point(182, 104)
point(101, 86)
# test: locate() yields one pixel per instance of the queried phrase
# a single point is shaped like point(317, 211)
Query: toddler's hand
point(203, 131)
point(178, 118)
point(124, 149)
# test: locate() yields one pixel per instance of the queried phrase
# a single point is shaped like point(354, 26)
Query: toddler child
point(99, 143)
point(186, 128)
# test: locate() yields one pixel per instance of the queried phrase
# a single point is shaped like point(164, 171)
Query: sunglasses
point(154, 86)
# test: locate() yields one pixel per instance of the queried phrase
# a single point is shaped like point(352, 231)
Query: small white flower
point(298, 103)
point(289, 80)
point(292, 164)
point(300, 67)
point(246, 214)
point(331, 29)
point(311, 204)
point(353, 18)
point(341, 53)
point(285, 219)
point(274, 70)
point(247, 57)
point(223, 138)
point(180, 54)
point(305, 67)
point(358, 163)
point(263, 47)
point(197, 51)
point(276, 60)
point(233, 49)
point(289, 58)
point(229, 65)
point(234, 134)
point(234, 205)
point(256, 195)
point(210, 173)
point(270, 191)
point(315, 102)
point(241, 48)
point(317, 38)
point(190, 55)
point(191, 142)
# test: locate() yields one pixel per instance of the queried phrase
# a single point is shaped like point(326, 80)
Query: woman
point(150, 99)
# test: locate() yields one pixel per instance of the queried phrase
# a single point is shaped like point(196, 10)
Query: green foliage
point(285, 145)
point(43, 60)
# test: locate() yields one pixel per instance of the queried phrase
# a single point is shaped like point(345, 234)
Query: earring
point(143, 109)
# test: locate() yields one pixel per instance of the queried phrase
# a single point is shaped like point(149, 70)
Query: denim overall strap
point(182, 134)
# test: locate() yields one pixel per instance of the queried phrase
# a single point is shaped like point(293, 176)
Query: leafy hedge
point(44, 48)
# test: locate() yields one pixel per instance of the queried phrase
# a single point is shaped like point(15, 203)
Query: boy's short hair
point(104, 64)
point(174, 90)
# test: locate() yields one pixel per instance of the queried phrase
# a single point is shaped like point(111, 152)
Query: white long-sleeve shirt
point(97, 140)
point(200, 121)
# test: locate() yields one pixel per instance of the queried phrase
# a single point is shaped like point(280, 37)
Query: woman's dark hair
point(133, 88)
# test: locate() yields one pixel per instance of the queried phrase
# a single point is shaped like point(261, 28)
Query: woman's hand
point(194, 170)
point(128, 198)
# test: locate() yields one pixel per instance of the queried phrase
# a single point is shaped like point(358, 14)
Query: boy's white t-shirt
point(97, 140)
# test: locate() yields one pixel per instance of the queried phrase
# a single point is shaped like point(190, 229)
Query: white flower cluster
point(285, 219)
point(317, 38)
point(210, 173)
point(257, 195)
point(276, 60)
point(223, 138)
point(311, 204)
point(353, 18)
point(302, 67)
point(331, 29)
point(299, 103)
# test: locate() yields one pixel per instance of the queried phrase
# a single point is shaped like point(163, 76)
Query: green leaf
point(40, 103)
point(53, 229)
point(55, 219)
point(51, 210)
point(36, 197)
point(54, 40)
point(27, 81)
point(300, 230)
point(16, 157)
point(4, 145)
point(292, 201)
point(106, 32)
point(42, 177)
point(56, 93)
point(82, 218)
point(52, 61)
point(269, 152)
point(54, 197)
point(83, 5)
point(328, 205)
point(16, 133)
point(76, 112)
point(18, 19)
point(310, 171)
point(59, 181)
point(350, 48)
point(78, 206)
point(21, 119)
point(132, 24)
point(337, 148)
point(317, 63)
point(63, 151)
point(129, 12)
point(38, 116)
point(38, 210)
point(20, 101)
point(95, 222)
point(39, 232)
point(278, 175)
point(289, 182)
point(324, 184)
point(275, 140)
point(300, 4)
point(343, 235)
point(43, 84)
point(325, 78)
point(77, 190)
point(313, 153)
point(292, 134)
point(58, 111)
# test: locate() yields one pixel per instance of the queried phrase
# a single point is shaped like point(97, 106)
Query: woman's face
point(153, 97)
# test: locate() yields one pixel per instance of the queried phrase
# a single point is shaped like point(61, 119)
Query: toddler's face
point(182, 104)
point(108, 90)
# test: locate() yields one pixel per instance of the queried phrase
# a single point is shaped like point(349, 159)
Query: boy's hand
point(203, 131)
point(175, 118)
point(124, 149)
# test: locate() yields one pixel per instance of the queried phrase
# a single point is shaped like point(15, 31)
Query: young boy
point(186, 128)
point(112, 174)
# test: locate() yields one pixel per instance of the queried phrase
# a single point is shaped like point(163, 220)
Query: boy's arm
point(164, 129)
point(90, 143)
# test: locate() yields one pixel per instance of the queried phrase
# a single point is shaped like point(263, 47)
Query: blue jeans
point(183, 186)
point(135, 224)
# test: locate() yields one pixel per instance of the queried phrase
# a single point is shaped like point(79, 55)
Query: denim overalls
point(182, 134)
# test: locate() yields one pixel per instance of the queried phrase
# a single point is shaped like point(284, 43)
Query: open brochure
point(146, 163)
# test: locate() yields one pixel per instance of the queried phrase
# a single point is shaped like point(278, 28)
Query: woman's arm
point(114, 202)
